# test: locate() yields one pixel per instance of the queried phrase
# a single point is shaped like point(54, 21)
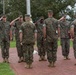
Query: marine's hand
point(17, 18)
point(58, 38)
point(21, 43)
point(44, 39)
point(11, 39)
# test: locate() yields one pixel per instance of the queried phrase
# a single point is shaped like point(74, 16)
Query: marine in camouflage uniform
point(5, 38)
point(17, 24)
point(73, 33)
point(40, 40)
point(64, 28)
point(27, 37)
point(51, 36)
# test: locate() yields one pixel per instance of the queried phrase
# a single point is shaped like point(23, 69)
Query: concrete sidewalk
point(63, 67)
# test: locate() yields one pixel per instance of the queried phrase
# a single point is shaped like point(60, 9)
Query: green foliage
point(38, 7)
point(1, 8)
point(17, 7)
point(13, 44)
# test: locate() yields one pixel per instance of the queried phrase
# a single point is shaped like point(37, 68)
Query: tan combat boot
point(64, 57)
point(7, 60)
point(44, 59)
point(22, 59)
point(27, 66)
point(53, 64)
point(4, 60)
point(19, 60)
point(67, 58)
point(30, 66)
point(50, 64)
point(41, 58)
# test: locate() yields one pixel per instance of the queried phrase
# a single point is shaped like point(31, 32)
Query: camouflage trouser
point(74, 47)
point(65, 44)
point(52, 51)
point(5, 48)
point(19, 49)
point(41, 44)
point(28, 53)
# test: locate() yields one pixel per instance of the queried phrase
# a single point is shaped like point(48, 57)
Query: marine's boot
point(44, 59)
point(50, 63)
point(19, 61)
point(7, 60)
point(64, 57)
point(67, 58)
point(4, 60)
point(22, 59)
point(27, 66)
point(30, 66)
point(53, 64)
point(41, 58)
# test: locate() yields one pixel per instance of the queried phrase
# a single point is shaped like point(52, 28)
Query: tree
point(38, 7)
point(1, 7)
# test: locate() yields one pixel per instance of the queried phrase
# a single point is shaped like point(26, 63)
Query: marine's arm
point(12, 22)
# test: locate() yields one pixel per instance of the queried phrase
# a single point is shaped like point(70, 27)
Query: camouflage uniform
point(51, 38)
point(74, 42)
point(28, 40)
point(65, 38)
point(18, 45)
point(40, 41)
point(4, 38)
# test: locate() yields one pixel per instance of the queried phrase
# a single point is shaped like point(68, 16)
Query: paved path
point(63, 67)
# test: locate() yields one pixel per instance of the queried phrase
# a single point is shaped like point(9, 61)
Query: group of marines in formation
point(48, 31)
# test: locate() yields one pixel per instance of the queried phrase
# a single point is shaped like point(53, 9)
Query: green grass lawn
point(71, 43)
point(13, 43)
point(5, 69)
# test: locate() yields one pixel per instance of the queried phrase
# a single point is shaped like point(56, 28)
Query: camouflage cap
point(50, 11)
point(27, 15)
point(4, 16)
point(21, 16)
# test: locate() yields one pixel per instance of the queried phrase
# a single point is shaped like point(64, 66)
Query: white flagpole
point(28, 7)
point(3, 6)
